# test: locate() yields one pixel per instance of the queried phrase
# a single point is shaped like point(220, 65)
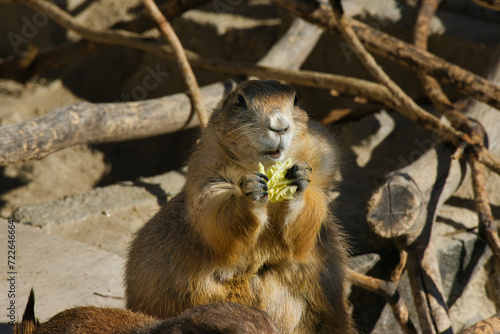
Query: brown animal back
point(94, 320)
point(227, 318)
point(223, 318)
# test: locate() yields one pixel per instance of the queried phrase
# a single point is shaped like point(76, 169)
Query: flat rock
point(104, 217)
point(63, 273)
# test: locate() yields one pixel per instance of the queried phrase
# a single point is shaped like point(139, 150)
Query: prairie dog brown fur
point(220, 239)
point(217, 318)
point(95, 320)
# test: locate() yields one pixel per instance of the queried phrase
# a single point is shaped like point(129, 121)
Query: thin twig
point(343, 84)
point(433, 282)
point(112, 122)
point(417, 114)
point(55, 57)
point(350, 114)
point(432, 278)
point(116, 36)
point(489, 159)
point(375, 40)
point(389, 291)
point(411, 109)
point(170, 9)
point(486, 326)
point(398, 271)
point(395, 49)
point(487, 227)
point(432, 87)
point(109, 296)
point(491, 4)
point(419, 297)
point(182, 61)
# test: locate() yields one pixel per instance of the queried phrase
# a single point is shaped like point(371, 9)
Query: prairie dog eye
point(240, 102)
point(295, 100)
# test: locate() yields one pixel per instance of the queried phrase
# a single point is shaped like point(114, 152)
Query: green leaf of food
point(278, 186)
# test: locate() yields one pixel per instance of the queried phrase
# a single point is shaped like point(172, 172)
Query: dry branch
point(99, 123)
point(170, 9)
point(343, 84)
point(117, 37)
point(128, 39)
point(425, 185)
point(398, 271)
point(180, 56)
point(431, 86)
point(489, 159)
point(431, 295)
point(433, 282)
point(419, 296)
point(431, 276)
point(407, 106)
point(350, 114)
point(491, 4)
point(487, 227)
point(487, 326)
point(474, 84)
point(114, 37)
point(404, 103)
point(108, 122)
point(299, 41)
point(399, 51)
point(52, 58)
point(389, 291)
point(125, 38)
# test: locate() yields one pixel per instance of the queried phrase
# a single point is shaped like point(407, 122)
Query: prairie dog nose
point(278, 122)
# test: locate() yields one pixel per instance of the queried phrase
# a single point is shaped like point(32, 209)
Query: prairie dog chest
point(281, 301)
point(271, 293)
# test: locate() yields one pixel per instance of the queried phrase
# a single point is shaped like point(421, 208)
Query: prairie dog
point(220, 239)
point(218, 318)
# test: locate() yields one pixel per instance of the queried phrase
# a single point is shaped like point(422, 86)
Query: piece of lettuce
point(279, 188)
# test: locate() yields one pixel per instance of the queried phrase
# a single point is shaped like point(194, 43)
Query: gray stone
point(104, 217)
point(63, 273)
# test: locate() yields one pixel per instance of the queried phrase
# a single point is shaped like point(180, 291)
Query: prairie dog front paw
point(254, 187)
point(300, 173)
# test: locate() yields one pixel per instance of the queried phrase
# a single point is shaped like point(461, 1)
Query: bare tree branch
point(389, 291)
point(109, 122)
point(491, 4)
point(399, 51)
point(487, 227)
point(487, 326)
point(411, 109)
point(187, 73)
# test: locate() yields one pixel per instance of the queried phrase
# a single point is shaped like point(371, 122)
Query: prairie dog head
point(258, 121)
